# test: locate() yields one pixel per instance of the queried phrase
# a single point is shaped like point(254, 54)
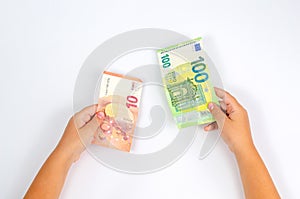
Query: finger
point(88, 131)
point(93, 124)
point(223, 106)
point(217, 113)
point(227, 98)
point(224, 95)
point(85, 115)
point(211, 126)
point(90, 110)
point(96, 137)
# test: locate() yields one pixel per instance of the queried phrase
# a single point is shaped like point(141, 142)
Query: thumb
point(88, 131)
point(217, 113)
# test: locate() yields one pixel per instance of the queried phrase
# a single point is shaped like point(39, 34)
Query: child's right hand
point(232, 120)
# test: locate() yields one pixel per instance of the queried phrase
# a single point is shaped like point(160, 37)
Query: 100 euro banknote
point(118, 105)
point(186, 79)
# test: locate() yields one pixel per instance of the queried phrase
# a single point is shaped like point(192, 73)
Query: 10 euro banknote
point(118, 106)
point(187, 82)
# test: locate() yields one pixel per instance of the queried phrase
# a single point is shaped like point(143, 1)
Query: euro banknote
point(118, 105)
point(187, 82)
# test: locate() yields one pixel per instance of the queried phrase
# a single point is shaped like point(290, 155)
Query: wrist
point(70, 150)
point(65, 155)
point(244, 150)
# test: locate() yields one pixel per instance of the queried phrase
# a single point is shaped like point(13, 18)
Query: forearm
point(256, 180)
point(50, 179)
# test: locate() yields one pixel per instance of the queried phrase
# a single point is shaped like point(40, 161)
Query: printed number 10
point(131, 101)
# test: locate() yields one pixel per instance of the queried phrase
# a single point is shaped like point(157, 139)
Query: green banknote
point(187, 82)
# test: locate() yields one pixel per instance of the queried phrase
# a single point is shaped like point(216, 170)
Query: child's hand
point(233, 119)
point(84, 122)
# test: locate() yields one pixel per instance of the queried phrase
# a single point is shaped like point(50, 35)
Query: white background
point(254, 44)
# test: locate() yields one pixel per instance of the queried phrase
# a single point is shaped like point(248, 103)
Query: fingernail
point(101, 115)
point(210, 106)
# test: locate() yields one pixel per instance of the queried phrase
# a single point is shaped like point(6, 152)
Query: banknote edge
point(173, 47)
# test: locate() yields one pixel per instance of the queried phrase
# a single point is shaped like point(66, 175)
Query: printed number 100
point(166, 61)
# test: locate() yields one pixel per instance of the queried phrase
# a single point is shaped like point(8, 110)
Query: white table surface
point(255, 45)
